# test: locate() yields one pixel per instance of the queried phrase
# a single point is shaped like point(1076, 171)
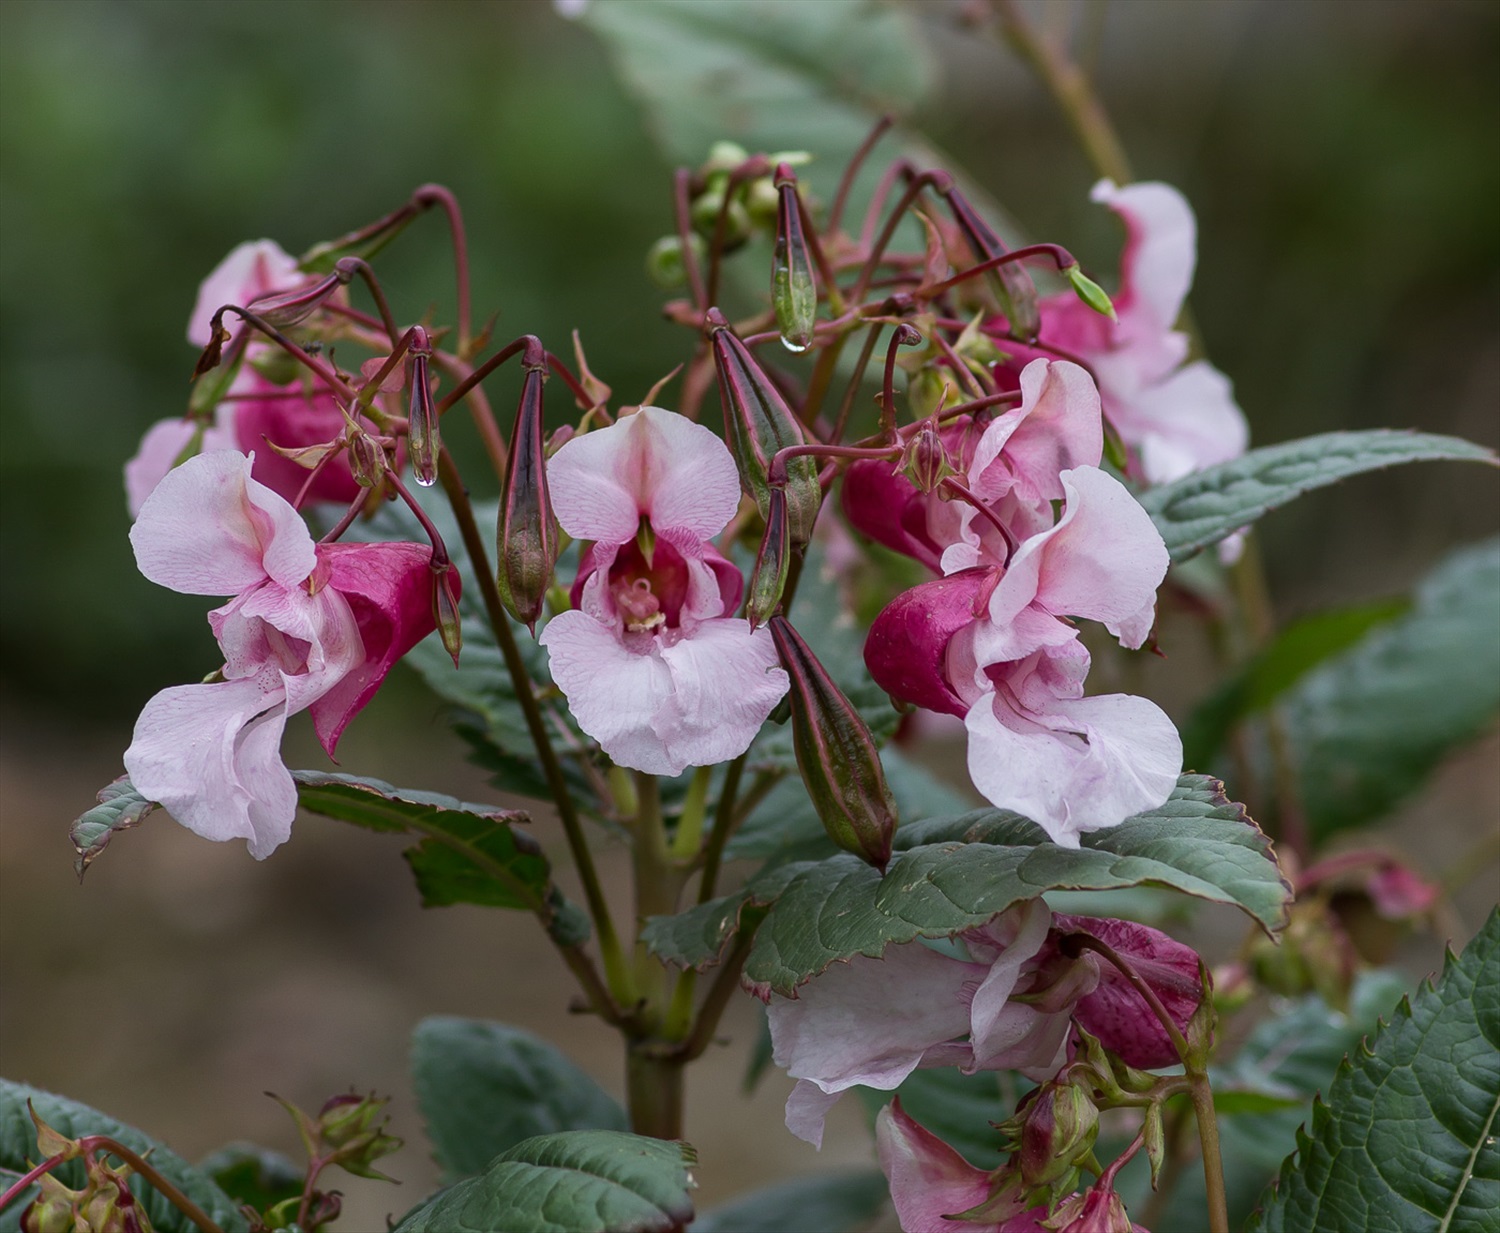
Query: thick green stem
point(654, 1090)
point(615, 970)
point(1213, 1162)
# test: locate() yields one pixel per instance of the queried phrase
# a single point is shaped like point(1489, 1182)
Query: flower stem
point(436, 193)
point(619, 980)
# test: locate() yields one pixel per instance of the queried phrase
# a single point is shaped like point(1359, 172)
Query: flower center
point(648, 594)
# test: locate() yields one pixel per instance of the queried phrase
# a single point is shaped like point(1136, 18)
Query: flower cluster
point(993, 640)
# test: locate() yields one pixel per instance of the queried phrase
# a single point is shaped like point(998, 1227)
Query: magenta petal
point(883, 504)
point(907, 644)
point(389, 589)
point(928, 1179)
point(292, 423)
point(1115, 1012)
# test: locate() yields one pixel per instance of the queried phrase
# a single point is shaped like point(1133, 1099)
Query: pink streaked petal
point(1115, 1012)
point(252, 269)
point(1083, 765)
point(209, 529)
point(1185, 423)
point(929, 1180)
point(1058, 426)
point(211, 755)
point(1103, 560)
point(1161, 248)
point(869, 1021)
point(906, 650)
point(654, 463)
point(726, 679)
point(388, 589)
point(162, 446)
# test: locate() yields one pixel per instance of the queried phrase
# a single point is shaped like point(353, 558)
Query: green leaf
point(484, 1087)
point(836, 1203)
point(581, 1181)
point(1293, 653)
point(960, 1109)
point(468, 854)
point(1208, 505)
point(18, 1151)
point(1407, 1139)
point(958, 873)
point(120, 807)
point(1369, 725)
point(251, 1174)
point(768, 76)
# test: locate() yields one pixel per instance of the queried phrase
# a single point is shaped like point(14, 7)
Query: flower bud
point(55, 1208)
point(527, 534)
point(707, 210)
point(768, 580)
point(836, 755)
point(1090, 292)
point(422, 435)
point(288, 308)
point(1011, 283)
point(925, 461)
point(364, 243)
point(445, 592)
point(111, 1208)
point(665, 264)
point(366, 459)
point(1096, 1210)
point(1059, 1125)
point(758, 423)
point(348, 1125)
point(794, 290)
point(1154, 1139)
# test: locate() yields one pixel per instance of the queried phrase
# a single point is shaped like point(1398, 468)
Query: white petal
point(209, 529)
point(1161, 249)
point(806, 1109)
point(1185, 423)
point(654, 463)
point(726, 679)
point(211, 755)
point(990, 1031)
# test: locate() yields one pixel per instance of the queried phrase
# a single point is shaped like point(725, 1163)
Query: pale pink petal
point(1103, 560)
point(211, 755)
point(726, 679)
point(869, 1021)
point(1161, 248)
point(163, 445)
point(1082, 765)
point(613, 692)
point(1058, 426)
point(1185, 423)
point(992, 1031)
point(388, 588)
point(209, 529)
point(989, 643)
point(253, 269)
point(929, 1180)
point(653, 463)
point(807, 1108)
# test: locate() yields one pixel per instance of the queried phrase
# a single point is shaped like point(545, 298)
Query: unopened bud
point(929, 389)
point(665, 264)
point(348, 1125)
point(1090, 292)
point(527, 533)
point(1011, 283)
point(445, 592)
point(757, 424)
point(836, 755)
point(1154, 1139)
point(54, 1210)
point(794, 290)
point(926, 461)
point(1059, 1126)
point(1200, 1028)
point(422, 434)
point(111, 1208)
point(366, 459)
point(709, 208)
point(364, 243)
point(1095, 1210)
point(288, 308)
point(772, 562)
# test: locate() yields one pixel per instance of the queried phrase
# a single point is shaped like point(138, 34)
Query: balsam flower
point(994, 645)
point(311, 627)
point(257, 411)
point(1176, 417)
point(654, 665)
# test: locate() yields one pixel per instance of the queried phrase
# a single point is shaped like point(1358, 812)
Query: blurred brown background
point(1344, 161)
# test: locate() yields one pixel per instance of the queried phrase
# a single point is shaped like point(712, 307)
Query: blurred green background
point(1344, 163)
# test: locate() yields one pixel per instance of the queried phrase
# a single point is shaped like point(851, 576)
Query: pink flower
point(311, 627)
point(253, 269)
point(930, 1181)
point(1176, 417)
point(654, 666)
point(994, 645)
point(1011, 463)
point(871, 1022)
